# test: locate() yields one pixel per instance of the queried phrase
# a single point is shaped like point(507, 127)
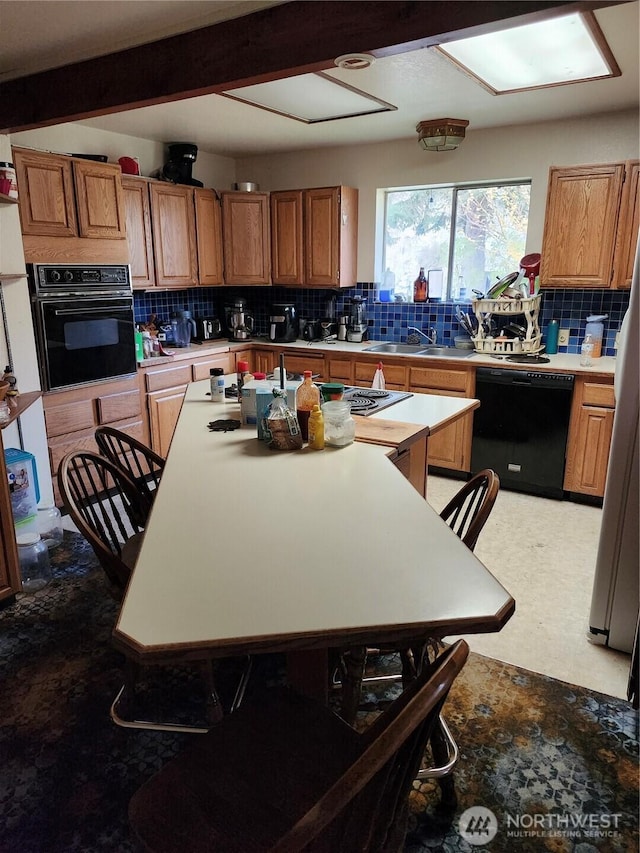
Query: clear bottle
point(307, 396)
point(217, 384)
point(33, 555)
point(242, 376)
point(339, 426)
point(316, 428)
point(421, 287)
point(50, 525)
point(586, 352)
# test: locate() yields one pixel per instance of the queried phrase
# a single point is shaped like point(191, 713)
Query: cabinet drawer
point(201, 369)
point(340, 370)
point(115, 407)
point(395, 375)
point(299, 363)
point(59, 446)
point(596, 394)
point(168, 377)
point(69, 417)
point(443, 379)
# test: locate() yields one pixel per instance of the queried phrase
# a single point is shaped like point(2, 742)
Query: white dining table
point(250, 550)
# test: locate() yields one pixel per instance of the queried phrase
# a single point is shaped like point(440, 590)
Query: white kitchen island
point(250, 550)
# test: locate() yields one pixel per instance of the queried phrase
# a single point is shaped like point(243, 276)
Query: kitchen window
point(465, 237)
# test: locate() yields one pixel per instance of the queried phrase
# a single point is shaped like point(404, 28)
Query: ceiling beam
point(292, 38)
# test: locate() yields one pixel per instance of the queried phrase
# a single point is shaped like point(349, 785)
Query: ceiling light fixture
point(441, 134)
point(354, 61)
point(554, 52)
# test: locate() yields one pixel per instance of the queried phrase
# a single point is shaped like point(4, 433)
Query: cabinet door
point(138, 222)
point(164, 410)
point(580, 225)
point(331, 236)
point(47, 203)
point(174, 234)
point(245, 237)
point(208, 237)
point(628, 227)
point(340, 370)
point(287, 262)
point(99, 199)
point(451, 447)
point(322, 237)
point(588, 457)
point(264, 360)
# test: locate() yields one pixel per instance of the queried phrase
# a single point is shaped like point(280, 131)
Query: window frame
point(456, 188)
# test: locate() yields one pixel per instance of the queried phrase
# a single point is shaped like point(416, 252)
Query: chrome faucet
point(430, 336)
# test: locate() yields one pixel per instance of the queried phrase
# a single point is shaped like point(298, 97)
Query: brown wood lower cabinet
point(165, 385)
point(450, 447)
point(589, 441)
point(71, 417)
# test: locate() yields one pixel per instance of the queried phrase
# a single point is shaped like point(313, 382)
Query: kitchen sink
point(402, 349)
point(420, 349)
point(446, 352)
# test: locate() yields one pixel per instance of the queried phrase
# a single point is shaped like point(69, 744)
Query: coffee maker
point(283, 323)
point(238, 321)
point(182, 156)
point(357, 323)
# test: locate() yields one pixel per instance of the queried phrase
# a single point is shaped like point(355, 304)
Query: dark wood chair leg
point(353, 670)
point(214, 706)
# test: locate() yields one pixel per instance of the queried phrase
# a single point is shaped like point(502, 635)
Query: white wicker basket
point(511, 346)
point(507, 306)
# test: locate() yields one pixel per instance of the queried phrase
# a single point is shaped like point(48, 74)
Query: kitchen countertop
point(252, 550)
point(560, 363)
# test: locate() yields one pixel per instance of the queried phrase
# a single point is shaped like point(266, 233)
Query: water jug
point(184, 328)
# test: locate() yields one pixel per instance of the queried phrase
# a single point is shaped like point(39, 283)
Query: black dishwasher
point(521, 427)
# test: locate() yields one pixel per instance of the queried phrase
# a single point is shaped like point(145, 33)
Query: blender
point(357, 324)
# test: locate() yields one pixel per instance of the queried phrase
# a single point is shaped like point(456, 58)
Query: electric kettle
point(184, 328)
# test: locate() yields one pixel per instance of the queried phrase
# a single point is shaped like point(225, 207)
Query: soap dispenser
point(595, 328)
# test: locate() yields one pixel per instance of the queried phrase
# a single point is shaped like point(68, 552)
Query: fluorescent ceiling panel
point(310, 98)
point(561, 50)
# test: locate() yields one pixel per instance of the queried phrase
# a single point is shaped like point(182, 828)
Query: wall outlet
point(616, 343)
point(563, 337)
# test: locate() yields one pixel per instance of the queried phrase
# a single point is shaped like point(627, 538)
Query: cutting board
point(388, 433)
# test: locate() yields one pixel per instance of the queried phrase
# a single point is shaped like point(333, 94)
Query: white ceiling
point(421, 84)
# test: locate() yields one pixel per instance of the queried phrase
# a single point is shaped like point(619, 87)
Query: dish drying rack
point(529, 306)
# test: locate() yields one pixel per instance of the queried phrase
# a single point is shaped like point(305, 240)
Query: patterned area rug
point(544, 765)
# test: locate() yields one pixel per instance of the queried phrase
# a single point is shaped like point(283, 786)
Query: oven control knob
point(68, 275)
point(55, 275)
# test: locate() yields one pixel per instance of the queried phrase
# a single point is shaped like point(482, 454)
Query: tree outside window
point(465, 236)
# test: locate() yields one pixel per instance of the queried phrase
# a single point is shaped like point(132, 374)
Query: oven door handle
point(74, 312)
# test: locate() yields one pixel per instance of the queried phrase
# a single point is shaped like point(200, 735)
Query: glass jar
point(50, 525)
point(339, 426)
point(35, 569)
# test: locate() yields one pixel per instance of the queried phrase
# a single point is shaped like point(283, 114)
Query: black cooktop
point(367, 401)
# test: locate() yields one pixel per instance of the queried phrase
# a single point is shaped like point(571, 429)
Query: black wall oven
point(84, 323)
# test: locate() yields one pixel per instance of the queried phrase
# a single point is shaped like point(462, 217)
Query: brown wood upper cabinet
point(209, 237)
point(187, 223)
point(245, 238)
point(174, 234)
point(591, 226)
point(69, 197)
point(139, 238)
point(314, 237)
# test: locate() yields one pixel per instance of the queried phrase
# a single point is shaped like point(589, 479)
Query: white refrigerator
point(614, 605)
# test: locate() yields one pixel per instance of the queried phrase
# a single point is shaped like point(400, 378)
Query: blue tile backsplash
point(389, 320)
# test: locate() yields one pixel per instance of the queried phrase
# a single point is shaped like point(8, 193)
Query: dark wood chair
point(286, 774)
point(110, 511)
point(466, 514)
point(143, 465)
point(468, 510)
